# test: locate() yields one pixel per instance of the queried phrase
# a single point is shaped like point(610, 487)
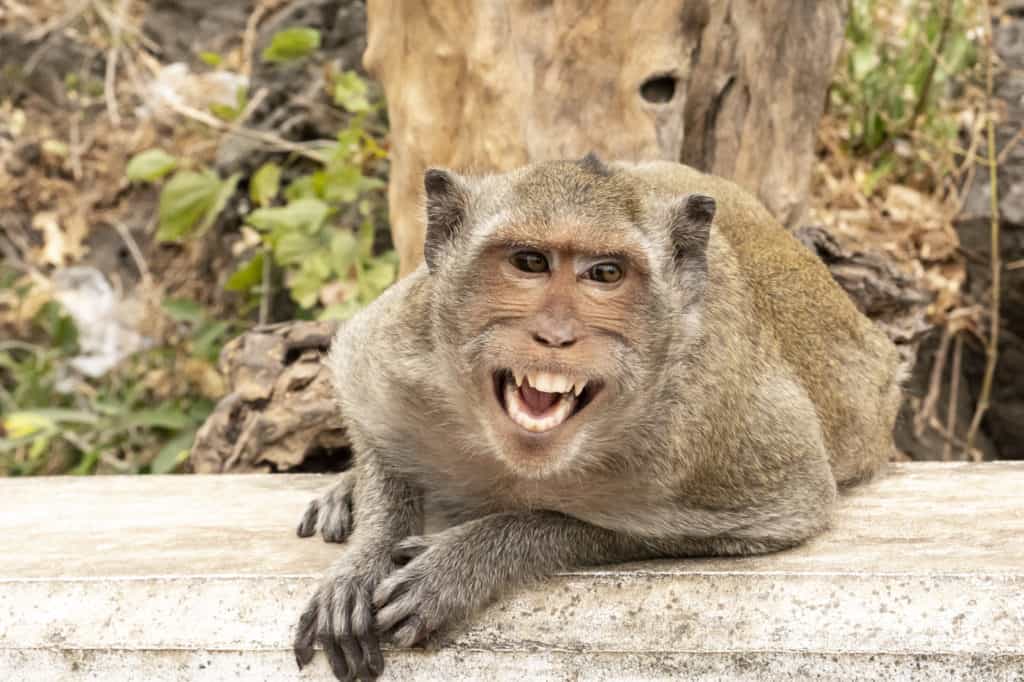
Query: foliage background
point(208, 216)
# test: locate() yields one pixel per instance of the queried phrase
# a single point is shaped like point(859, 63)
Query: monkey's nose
point(561, 337)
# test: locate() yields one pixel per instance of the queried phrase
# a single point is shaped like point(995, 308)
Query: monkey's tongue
point(537, 401)
point(535, 410)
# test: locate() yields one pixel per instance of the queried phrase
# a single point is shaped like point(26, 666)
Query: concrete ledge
point(201, 577)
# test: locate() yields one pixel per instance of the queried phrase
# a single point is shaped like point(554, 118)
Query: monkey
point(596, 362)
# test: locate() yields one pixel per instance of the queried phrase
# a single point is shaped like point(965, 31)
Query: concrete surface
point(202, 578)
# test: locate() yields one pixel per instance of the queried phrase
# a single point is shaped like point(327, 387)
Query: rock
point(1002, 422)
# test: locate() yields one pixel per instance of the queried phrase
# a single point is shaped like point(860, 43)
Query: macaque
point(595, 363)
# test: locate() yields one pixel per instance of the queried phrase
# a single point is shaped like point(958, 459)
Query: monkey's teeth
point(550, 383)
point(552, 417)
point(519, 377)
point(578, 387)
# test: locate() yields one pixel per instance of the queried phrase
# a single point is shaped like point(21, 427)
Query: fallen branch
point(992, 344)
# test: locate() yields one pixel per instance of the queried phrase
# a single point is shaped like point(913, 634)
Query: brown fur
point(740, 388)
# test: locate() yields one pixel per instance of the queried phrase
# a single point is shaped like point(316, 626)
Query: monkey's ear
point(690, 225)
point(447, 204)
point(592, 163)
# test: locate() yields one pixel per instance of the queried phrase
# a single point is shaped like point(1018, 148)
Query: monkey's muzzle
point(541, 401)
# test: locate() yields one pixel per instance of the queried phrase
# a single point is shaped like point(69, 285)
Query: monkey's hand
point(340, 616)
point(447, 576)
point(331, 513)
point(441, 580)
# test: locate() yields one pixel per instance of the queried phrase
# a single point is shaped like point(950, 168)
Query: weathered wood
point(280, 411)
point(757, 93)
point(492, 85)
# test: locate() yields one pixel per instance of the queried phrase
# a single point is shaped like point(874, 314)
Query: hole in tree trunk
point(658, 89)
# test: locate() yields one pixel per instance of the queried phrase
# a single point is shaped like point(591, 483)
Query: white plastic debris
point(176, 84)
point(104, 339)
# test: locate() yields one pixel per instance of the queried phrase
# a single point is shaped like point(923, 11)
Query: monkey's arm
point(340, 615)
point(450, 574)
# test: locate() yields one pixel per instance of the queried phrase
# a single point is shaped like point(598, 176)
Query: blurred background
point(181, 180)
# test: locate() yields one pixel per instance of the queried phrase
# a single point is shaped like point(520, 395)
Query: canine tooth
point(519, 377)
point(551, 383)
point(578, 387)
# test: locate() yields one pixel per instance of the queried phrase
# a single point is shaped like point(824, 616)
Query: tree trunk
point(492, 85)
point(734, 87)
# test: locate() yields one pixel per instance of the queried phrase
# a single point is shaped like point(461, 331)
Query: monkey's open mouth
point(541, 401)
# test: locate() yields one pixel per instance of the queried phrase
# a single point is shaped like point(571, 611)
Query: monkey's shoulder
point(385, 336)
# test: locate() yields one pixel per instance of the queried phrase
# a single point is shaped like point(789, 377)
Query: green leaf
point(183, 310)
point(350, 92)
point(863, 60)
point(58, 326)
point(224, 193)
point(184, 201)
point(224, 112)
point(375, 278)
point(150, 165)
point(318, 263)
point(19, 425)
point(211, 59)
point(291, 44)
point(87, 464)
point(343, 183)
point(303, 187)
point(165, 418)
point(344, 251)
point(173, 453)
point(264, 185)
point(207, 341)
point(294, 247)
point(340, 311)
point(304, 287)
point(305, 214)
point(366, 234)
point(247, 276)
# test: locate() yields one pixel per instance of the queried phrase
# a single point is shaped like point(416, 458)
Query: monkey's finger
point(392, 614)
point(336, 522)
point(336, 658)
point(372, 655)
point(408, 549)
point(390, 588)
point(305, 636)
point(409, 632)
point(307, 526)
point(353, 657)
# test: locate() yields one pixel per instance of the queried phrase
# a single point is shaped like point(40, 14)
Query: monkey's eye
point(529, 261)
point(606, 273)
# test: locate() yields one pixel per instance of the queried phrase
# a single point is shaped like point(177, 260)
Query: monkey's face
point(554, 333)
point(558, 289)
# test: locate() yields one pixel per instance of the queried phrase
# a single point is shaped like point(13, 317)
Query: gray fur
point(748, 393)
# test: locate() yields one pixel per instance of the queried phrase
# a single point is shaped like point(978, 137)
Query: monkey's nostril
point(554, 340)
point(658, 89)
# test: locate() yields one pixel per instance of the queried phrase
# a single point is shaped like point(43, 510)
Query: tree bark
point(734, 87)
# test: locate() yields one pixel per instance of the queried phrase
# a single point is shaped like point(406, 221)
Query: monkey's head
point(559, 293)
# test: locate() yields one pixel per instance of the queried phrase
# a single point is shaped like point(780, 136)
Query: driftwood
point(280, 414)
point(735, 87)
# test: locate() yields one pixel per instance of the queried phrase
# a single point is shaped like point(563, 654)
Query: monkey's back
point(847, 365)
